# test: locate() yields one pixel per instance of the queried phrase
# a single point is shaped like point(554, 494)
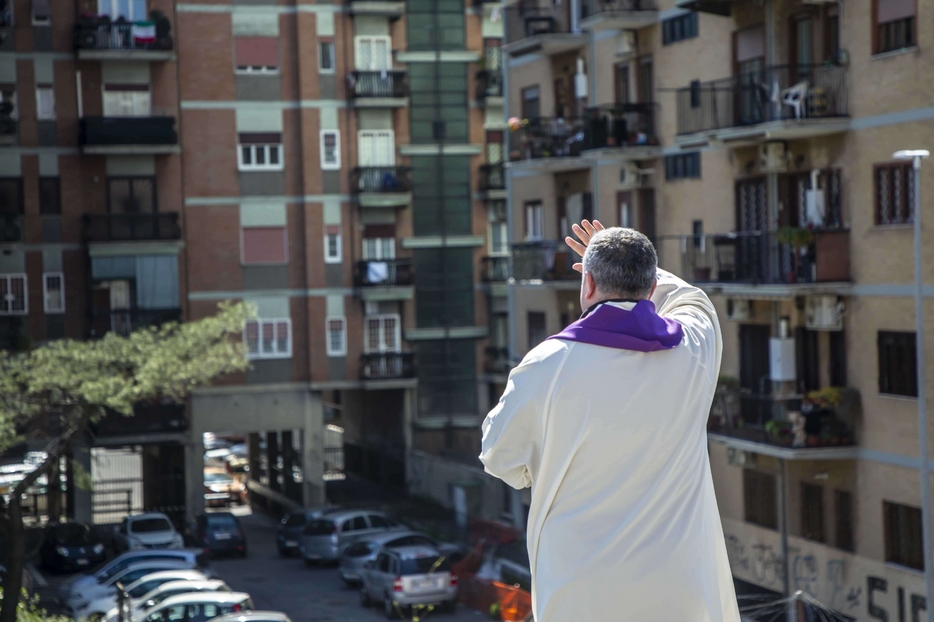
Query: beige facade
point(758, 129)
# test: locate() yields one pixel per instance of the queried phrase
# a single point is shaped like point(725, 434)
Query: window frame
point(889, 377)
point(843, 537)
point(268, 355)
point(876, 30)
point(339, 256)
point(503, 226)
point(816, 532)
point(752, 481)
point(331, 55)
point(898, 557)
point(681, 166)
point(906, 173)
point(9, 278)
point(257, 70)
point(325, 165)
point(252, 167)
point(331, 351)
point(534, 219)
point(39, 114)
point(45, 292)
point(382, 317)
point(358, 39)
point(685, 22)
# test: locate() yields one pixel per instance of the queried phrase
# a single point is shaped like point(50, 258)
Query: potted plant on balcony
point(779, 432)
point(163, 28)
point(797, 239)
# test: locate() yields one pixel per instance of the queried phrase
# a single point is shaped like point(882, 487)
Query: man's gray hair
point(622, 262)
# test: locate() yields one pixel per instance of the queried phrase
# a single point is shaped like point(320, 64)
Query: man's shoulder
point(549, 351)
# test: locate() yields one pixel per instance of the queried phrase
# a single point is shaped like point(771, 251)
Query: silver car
point(355, 557)
point(326, 537)
point(403, 577)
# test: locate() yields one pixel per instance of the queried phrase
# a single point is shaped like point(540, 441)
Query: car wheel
point(365, 598)
point(389, 608)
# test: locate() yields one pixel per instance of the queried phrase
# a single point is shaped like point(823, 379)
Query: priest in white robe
point(606, 422)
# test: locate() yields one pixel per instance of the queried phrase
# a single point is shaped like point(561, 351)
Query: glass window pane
point(260, 154)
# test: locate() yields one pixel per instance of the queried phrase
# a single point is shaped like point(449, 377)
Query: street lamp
point(916, 155)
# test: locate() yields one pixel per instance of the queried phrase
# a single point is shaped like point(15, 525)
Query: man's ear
point(654, 286)
point(590, 288)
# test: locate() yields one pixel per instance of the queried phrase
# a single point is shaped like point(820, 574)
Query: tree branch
point(54, 452)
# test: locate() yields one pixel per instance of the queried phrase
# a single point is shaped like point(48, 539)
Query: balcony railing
point(381, 179)
point(103, 131)
point(492, 177)
point(385, 84)
point(147, 419)
point(528, 18)
point(131, 227)
point(124, 36)
point(496, 360)
point(589, 8)
point(773, 258)
point(547, 260)
point(125, 321)
point(547, 137)
point(387, 366)
point(495, 269)
point(783, 92)
point(383, 272)
point(489, 84)
point(11, 228)
point(620, 125)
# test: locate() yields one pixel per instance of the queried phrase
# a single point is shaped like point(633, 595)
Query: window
point(903, 535)
point(898, 365)
point(326, 62)
point(759, 499)
point(683, 166)
point(679, 28)
point(447, 377)
point(268, 338)
point(441, 195)
point(260, 151)
point(8, 94)
point(812, 512)
point(11, 195)
point(264, 245)
point(536, 328)
point(531, 104)
point(534, 222)
point(843, 510)
point(53, 292)
point(127, 100)
point(382, 333)
point(337, 336)
point(50, 195)
point(332, 244)
point(45, 103)
point(499, 238)
point(622, 83)
point(376, 147)
point(372, 53)
point(439, 102)
point(330, 150)
point(13, 300)
point(894, 193)
point(131, 10)
point(256, 55)
point(379, 248)
point(131, 195)
point(436, 24)
point(895, 25)
point(41, 12)
point(838, 358)
point(832, 47)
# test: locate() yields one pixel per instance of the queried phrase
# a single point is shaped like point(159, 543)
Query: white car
point(147, 531)
point(81, 602)
point(144, 603)
point(254, 616)
point(103, 603)
point(197, 607)
point(194, 558)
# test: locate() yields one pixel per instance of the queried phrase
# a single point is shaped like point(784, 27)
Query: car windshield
point(425, 565)
point(217, 478)
point(116, 569)
point(295, 520)
point(150, 525)
point(319, 527)
point(221, 522)
point(72, 535)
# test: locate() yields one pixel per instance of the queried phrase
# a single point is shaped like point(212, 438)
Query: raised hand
point(584, 231)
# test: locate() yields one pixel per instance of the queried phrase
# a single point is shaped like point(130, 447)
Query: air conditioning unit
point(824, 313)
point(773, 158)
point(782, 359)
point(738, 310)
point(740, 458)
point(626, 43)
point(630, 176)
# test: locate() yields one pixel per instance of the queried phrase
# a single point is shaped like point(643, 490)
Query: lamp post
point(916, 156)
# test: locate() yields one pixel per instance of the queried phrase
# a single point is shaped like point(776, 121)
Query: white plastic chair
point(796, 97)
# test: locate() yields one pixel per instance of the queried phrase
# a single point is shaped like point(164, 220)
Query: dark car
point(289, 532)
point(71, 546)
point(219, 532)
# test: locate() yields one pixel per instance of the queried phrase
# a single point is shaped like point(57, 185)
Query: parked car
point(355, 557)
point(84, 604)
point(153, 530)
point(292, 525)
point(153, 598)
point(254, 616)
point(197, 607)
point(220, 488)
point(325, 538)
point(70, 546)
point(192, 558)
point(104, 604)
point(219, 532)
point(405, 576)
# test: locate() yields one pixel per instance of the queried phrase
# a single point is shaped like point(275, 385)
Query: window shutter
point(257, 52)
point(364, 53)
point(381, 54)
point(894, 10)
point(263, 245)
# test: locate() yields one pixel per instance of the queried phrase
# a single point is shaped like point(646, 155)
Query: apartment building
point(333, 164)
point(753, 142)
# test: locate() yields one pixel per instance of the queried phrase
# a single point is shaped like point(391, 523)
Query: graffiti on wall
point(915, 605)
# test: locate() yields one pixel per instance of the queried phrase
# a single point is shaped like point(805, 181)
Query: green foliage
point(28, 611)
point(797, 237)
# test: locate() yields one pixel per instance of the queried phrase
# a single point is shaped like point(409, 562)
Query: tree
point(66, 385)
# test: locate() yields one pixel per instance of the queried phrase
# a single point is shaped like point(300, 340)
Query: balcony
point(547, 143)
point(128, 135)
point(547, 262)
point(495, 269)
point(384, 279)
point(379, 89)
point(382, 186)
point(785, 102)
point(383, 8)
point(131, 227)
point(496, 361)
point(600, 15)
point(819, 425)
point(490, 87)
point(626, 130)
point(387, 366)
point(788, 262)
point(540, 26)
point(97, 38)
point(11, 228)
point(147, 419)
point(125, 321)
point(492, 183)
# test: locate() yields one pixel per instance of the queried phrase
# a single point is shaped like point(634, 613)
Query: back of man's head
point(622, 263)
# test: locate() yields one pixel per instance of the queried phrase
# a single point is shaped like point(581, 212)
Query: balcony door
point(131, 10)
point(127, 100)
point(749, 68)
point(751, 258)
point(372, 53)
point(376, 148)
point(382, 334)
point(754, 372)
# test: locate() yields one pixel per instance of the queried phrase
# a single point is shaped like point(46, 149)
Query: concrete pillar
point(194, 476)
point(408, 424)
point(253, 452)
point(272, 460)
point(313, 494)
point(287, 448)
point(81, 508)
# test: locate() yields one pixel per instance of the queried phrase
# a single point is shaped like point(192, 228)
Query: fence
point(620, 125)
point(383, 272)
point(385, 83)
point(387, 365)
point(381, 179)
point(117, 483)
point(542, 261)
point(118, 227)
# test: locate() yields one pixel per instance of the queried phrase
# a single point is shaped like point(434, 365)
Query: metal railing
point(620, 125)
point(387, 365)
point(125, 321)
point(528, 18)
point(128, 131)
point(492, 177)
point(385, 83)
point(129, 227)
point(756, 257)
point(381, 179)
point(547, 137)
point(116, 37)
point(769, 94)
point(496, 360)
point(495, 269)
point(383, 272)
point(589, 8)
point(547, 260)
point(489, 83)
